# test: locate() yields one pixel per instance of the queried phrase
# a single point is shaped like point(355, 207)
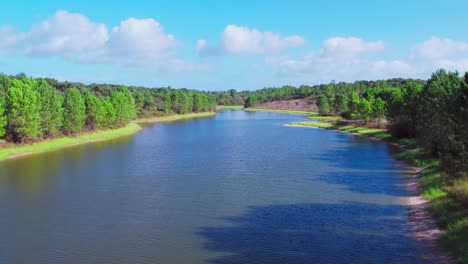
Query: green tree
point(167, 105)
point(23, 111)
point(107, 119)
point(94, 111)
point(74, 111)
point(364, 109)
point(341, 103)
point(3, 119)
point(250, 102)
point(51, 110)
point(379, 109)
point(323, 105)
point(354, 104)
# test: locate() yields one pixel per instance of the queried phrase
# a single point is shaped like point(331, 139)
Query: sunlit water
point(236, 188)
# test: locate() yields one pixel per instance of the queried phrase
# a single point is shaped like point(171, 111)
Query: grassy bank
point(220, 107)
point(450, 214)
point(47, 145)
point(12, 151)
point(174, 117)
point(280, 111)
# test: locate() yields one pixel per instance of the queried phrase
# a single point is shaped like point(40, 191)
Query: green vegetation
point(230, 107)
point(369, 132)
point(52, 144)
point(175, 117)
point(280, 111)
point(32, 110)
point(333, 91)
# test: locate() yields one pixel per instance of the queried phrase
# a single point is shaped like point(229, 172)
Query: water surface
point(236, 188)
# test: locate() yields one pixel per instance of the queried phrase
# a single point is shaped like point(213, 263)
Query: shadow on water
point(314, 233)
point(363, 166)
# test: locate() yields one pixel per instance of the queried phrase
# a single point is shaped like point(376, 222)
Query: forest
point(35, 109)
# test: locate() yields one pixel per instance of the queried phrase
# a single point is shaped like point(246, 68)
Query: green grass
point(175, 117)
point(279, 111)
point(52, 144)
point(445, 198)
point(229, 107)
point(370, 132)
point(325, 118)
point(449, 213)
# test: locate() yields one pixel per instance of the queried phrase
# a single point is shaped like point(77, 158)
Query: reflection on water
point(236, 188)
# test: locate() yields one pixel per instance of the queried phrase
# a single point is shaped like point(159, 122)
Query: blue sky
point(219, 45)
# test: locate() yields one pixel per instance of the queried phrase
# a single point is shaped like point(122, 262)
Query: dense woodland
point(35, 109)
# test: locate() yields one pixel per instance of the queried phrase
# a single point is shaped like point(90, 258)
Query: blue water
point(237, 188)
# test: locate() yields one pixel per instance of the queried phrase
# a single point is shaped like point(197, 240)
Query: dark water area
point(237, 188)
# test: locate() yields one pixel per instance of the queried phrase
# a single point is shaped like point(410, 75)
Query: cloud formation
point(237, 40)
point(438, 48)
point(134, 42)
point(340, 58)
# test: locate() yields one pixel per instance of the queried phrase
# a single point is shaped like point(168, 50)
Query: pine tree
point(23, 111)
point(74, 111)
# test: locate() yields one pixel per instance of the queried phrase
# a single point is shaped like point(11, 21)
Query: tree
point(23, 111)
point(379, 109)
point(94, 111)
point(436, 99)
point(3, 119)
point(250, 102)
point(74, 111)
point(167, 105)
point(341, 103)
point(323, 106)
point(364, 109)
point(124, 106)
point(107, 119)
point(354, 103)
point(51, 110)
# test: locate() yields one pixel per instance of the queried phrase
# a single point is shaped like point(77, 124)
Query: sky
point(221, 45)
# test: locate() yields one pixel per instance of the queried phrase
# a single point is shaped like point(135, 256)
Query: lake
point(237, 188)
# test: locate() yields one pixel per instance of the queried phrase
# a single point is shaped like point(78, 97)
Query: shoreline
point(173, 117)
point(285, 111)
point(424, 225)
point(132, 128)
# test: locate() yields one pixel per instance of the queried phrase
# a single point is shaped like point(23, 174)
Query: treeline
point(35, 109)
point(435, 113)
point(287, 92)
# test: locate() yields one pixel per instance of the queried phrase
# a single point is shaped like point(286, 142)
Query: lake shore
point(424, 224)
point(15, 151)
point(279, 111)
point(173, 117)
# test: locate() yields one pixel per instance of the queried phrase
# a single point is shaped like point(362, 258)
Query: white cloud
point(339, 48)
point(237, 40)
point(63, 34)
point(340, 59)
point(135, 42)
point(437, 48)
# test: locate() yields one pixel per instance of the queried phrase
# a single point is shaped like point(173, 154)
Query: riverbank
point(53, 144)
point(221, 107)
point(430, 205)
point(174, 117)
point(279, 111)
point(15, 151)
